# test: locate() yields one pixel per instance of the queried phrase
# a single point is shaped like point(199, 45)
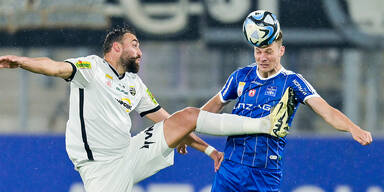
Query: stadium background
point(190, 47)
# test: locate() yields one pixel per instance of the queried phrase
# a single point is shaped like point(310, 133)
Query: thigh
point(150, 152)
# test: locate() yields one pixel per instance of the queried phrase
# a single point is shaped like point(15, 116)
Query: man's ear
point(116, 47)
point(282, 50)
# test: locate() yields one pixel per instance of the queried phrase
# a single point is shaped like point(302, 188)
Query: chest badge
point(240, 88)
point(132, 91)
point(271, 91)
point(252, 92)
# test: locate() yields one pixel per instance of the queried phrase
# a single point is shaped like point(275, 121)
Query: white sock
point(230, 124)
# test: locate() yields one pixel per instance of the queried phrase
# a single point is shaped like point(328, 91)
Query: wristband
point(209, 150)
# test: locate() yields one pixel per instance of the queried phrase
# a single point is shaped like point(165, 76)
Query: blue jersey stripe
point(227, 85)
point(233, 149)
point(255, 152)
point(266, 155)
point(242, 156)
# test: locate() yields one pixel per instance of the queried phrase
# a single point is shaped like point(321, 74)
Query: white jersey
point(100, 102)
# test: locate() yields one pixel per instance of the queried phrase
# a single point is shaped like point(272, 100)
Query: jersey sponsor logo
point(244, 106)
point(271, 91)
point(265, 107)
point(248, 106)
point(125, 102)
point(132, 90)
point(83, 64)
point(251, 92)
point(122, 90)
point(148, 133)
point(240, 88)
point(152, 97)
point(301, 89)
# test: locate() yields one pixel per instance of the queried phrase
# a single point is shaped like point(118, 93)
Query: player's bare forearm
point(331, 115)
point(195, 142)
point(339, 121)
point(214, 105)
point(41, 65)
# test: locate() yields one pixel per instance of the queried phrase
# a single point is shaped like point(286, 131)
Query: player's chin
point(264, 68)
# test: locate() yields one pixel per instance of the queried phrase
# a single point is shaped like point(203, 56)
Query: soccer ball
point(261, 28)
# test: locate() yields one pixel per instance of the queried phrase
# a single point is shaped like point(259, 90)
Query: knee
point(190, 115)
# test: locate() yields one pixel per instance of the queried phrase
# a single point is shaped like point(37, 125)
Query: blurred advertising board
point(39, 163)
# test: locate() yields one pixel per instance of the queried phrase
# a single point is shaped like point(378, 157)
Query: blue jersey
point(255, 97)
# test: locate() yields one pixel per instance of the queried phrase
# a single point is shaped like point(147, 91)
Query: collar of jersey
point(114, 71)
point(274, 75)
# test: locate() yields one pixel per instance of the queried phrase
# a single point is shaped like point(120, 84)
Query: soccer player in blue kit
point(253, 162)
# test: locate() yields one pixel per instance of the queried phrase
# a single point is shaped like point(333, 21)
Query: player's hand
point(362, 136)
point(182, 148)
point(217, 157)
point(9, 61)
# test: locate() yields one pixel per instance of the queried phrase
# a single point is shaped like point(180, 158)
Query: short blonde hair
point(279, 38)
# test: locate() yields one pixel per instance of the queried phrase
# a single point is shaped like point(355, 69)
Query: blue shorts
point(235, 177)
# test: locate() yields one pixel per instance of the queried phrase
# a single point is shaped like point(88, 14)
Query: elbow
point(52, 72)
point(62, 71)
point(56, 74)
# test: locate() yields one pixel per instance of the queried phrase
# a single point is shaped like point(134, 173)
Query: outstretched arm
point(192, 140)
point(214, 105)
point(41, 65)
point(338, 120)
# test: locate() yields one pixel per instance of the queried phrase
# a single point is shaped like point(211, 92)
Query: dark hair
point(115, 35)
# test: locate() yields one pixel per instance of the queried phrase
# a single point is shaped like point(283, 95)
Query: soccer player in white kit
point(103, 93)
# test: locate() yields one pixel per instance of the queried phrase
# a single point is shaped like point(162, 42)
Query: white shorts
point(147, 154)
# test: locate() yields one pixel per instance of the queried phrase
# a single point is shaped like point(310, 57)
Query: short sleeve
point(84, 68)
point(229, 91)
point(302, 88)
point(148, 103)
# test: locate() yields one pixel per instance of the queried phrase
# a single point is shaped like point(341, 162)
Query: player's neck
point(118, 67)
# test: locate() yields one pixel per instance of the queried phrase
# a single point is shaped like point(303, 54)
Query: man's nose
point(263, 57)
